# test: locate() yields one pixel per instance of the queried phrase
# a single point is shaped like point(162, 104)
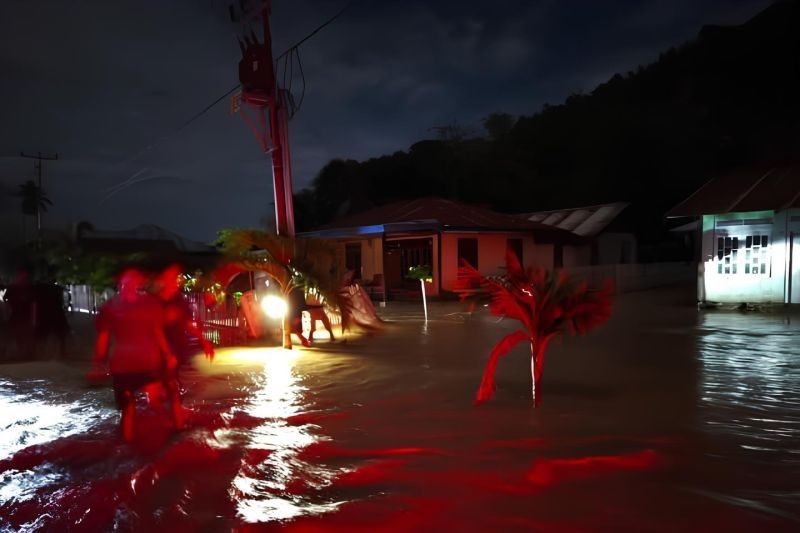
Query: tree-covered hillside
point(729, 98)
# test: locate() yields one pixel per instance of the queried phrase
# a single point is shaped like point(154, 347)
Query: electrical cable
point(292, 49)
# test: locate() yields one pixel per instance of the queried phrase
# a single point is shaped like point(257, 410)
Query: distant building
point(750, 244)
point(606, 242)
point(381, 244)
point(148, 239)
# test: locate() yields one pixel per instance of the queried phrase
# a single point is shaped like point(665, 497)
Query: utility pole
point(269, 103)
point(39, 157)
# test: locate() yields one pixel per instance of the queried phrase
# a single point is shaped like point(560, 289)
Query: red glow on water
point(549, 472)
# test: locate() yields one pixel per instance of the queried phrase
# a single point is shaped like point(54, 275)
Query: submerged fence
point(636, 276)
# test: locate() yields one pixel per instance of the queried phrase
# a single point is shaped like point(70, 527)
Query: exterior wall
point(615, 248)
point(540, 255)
point(371, 257)
point(718, 281)
point(577, 256)
point(491, 254)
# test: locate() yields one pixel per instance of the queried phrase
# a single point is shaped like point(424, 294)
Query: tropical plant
point(34, 199)
point(548, 304)
point(423, 274)
point(293, 263)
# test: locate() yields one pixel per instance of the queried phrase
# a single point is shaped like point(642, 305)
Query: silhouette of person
point(51, 318)
point(297, 304)
point(179, 326)
point(20, 299)
point(141, 358)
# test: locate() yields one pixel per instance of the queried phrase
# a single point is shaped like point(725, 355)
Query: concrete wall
point(491, 254)
point(739, 287)
point(540, 255)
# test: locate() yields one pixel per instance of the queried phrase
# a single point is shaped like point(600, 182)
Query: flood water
point(667, 418)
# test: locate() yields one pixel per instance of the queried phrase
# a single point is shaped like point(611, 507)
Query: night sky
point(108, 84)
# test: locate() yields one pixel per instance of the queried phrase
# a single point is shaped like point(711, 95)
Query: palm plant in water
point(546, 303)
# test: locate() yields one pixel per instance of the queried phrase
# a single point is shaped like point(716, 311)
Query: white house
point(750, 236)
point(381, 244)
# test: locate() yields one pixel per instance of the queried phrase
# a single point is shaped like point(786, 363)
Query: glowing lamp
point(274, 306)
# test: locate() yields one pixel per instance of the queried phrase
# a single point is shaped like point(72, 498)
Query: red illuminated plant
point(546, 303)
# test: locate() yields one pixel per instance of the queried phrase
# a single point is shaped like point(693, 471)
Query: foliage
point(420, 272)
point(33, 198)
point(291, 262)
point(547, 304)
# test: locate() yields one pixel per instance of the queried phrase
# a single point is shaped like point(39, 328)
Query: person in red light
point(141, 358)
point(178, 324)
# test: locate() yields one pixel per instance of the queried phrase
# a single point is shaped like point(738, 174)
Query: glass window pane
point(747, 268)
point(749, 241)
point(763, 268)
point(764, 240)
point(735, 243)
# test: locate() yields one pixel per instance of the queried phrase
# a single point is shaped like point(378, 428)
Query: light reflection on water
point(264, 495)
point(749, 399)
point(31, 414)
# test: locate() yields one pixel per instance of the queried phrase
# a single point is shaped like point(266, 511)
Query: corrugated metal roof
point(584, 221)
point(750, 189)
point(440, 213)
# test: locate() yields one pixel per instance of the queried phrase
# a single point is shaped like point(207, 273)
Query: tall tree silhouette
point(33, 201)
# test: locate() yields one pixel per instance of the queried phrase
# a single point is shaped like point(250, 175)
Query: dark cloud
point(108, 85)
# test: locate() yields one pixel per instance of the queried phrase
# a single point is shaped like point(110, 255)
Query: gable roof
point(145, 237)
point(585, 221)
point(750, 189)
point(437, 214)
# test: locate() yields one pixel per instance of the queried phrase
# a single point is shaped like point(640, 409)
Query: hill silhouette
point(730, 97)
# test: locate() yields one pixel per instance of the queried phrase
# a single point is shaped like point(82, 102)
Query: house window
point(352, 258)
point(743, 255)
point(468, 251)
point(756, 254)
point(727, 255)
point(515, 245)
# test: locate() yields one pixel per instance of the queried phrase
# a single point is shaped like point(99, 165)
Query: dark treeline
point(730, 98)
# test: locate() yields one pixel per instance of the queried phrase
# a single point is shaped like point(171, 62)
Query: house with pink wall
point(381, 244)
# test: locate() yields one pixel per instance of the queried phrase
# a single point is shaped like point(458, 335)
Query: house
point(381, 244)
point(607, 241)
point(750, 242)
point(146, 239)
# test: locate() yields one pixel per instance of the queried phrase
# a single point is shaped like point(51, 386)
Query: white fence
point(83, 299)
point(636, 276)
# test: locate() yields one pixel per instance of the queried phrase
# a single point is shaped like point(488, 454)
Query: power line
point(292, 49)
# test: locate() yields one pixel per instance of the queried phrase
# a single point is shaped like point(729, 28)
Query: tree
point(547, 304)
point(499, 125)
point(291, 262)
point(34, 200)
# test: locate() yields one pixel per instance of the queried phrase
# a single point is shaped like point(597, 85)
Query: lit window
point(727, 255)
point(756, 254)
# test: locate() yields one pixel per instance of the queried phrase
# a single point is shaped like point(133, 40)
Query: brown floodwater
point(667, 418)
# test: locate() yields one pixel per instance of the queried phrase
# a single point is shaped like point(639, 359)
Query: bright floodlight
point(274, 306)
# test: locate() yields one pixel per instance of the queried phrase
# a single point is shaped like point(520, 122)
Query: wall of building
point(491, 254)
point(615, 248)
point(577, 256)
point(539, 255)
point(726, 279)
